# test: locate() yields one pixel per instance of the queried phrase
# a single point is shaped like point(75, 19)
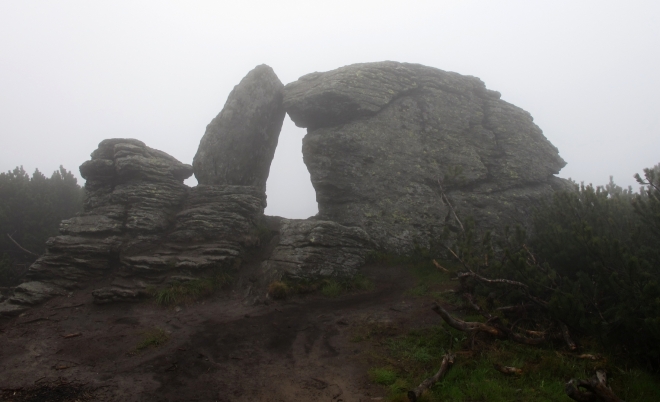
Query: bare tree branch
point(19, 246)
point(447, 362)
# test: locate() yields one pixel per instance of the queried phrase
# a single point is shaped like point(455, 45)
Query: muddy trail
point(214, 350)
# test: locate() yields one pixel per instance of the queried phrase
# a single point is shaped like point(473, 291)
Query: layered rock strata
point(141, 227)
point(311, 249)
point(385, 140)
point(239, 144)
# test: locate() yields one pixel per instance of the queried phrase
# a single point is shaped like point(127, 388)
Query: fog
point(73, 73)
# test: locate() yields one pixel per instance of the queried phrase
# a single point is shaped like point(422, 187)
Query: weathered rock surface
point(387, 145)
point(310, 249)
point(133, 194)
point(384, 139)
point(239, 144)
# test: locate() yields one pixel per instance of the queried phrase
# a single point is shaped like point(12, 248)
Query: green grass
point(278, 290)
point(329, 287)
point(337, 287)
point(382, 375)
point(152, 338)
point(401, 362)
point(190, 291)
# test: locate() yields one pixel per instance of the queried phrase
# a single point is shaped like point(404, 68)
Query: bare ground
point(218, 350)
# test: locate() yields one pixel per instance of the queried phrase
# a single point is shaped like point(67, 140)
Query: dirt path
point(218, 350)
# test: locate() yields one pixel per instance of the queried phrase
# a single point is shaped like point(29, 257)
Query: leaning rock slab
point(239, 144)
point(384, 140)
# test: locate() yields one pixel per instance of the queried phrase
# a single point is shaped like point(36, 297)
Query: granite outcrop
point(395, 152)
point(239, 144)
point(390, 144)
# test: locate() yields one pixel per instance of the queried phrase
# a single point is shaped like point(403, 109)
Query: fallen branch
point(535, 299)
point(440, 267)
point(451, 207)
point(588, 357)
point(482, 279)
point(19, 246)
point(474, 327)
point(596, 389)
point(466, 326)
point(567, 337)
point(72, 335)
point(508, 370)
point(477, 307)
point(447, 362)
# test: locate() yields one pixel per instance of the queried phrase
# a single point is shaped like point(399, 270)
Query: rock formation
point(239, 144)
point(384, 140)
point(393, 150)
point(133, 194)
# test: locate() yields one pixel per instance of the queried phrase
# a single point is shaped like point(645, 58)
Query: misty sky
point(73, 73)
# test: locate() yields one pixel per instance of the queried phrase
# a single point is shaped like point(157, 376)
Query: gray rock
point(310, 249)
point(112, 294)
point(239, 144)
point(31, 293)
point(383, 139)
point(7, 309)
point(215, 212)
point(133, 195)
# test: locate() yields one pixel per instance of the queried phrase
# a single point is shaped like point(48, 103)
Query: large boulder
point(239, 144)
point(385, 140)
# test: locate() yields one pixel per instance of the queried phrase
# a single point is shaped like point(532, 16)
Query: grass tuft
point(153, 338)
point(330, 287)
point(382, 375)
point(190, 291)
point(278, 290)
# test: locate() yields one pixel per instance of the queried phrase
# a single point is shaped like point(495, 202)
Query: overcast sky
point(73, 73)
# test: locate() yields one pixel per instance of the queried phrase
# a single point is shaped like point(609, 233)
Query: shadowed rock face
point(384, 138)
point(239, 144)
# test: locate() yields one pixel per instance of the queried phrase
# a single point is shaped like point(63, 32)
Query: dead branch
point(595, 389)
point(474, 327)
point(19, 246)
point(71, 335)
point(482, 279)
point(535, 299)
point(451, 208)
point(447, 362)
point(508, 370)
point(470, 300)
point(440, 267)
point(466, 326)
point(515, 308)
point(567, 336)
point(588, 357)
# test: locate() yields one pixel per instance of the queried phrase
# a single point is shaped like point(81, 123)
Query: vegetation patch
point(152, 338)
point(278, 290)
point(192, 290)
point(402, 361)
point(329, 287)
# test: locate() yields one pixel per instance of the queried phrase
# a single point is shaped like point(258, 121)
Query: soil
point(220, 349)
